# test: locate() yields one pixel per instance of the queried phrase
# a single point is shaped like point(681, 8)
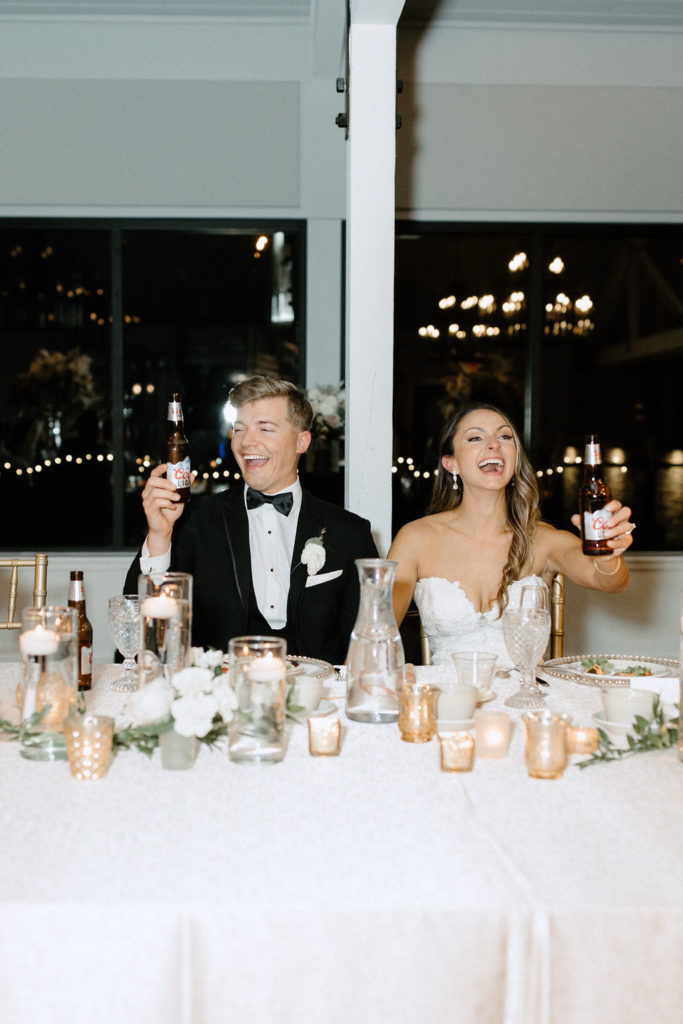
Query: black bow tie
point(282, 503)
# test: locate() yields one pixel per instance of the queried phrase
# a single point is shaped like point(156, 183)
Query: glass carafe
point(375, 662)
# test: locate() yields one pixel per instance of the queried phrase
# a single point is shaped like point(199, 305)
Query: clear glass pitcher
point(375, 662)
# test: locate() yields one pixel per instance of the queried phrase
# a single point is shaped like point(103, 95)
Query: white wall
point(642, 621)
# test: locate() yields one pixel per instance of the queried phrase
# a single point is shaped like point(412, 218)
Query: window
point(570, 330)
point(100, 324)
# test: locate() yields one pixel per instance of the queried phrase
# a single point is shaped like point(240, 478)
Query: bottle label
point(595, 524)
point(179, 473)
point(175, 411)
point(86, 661)
point(76, 590)
point(592, 455)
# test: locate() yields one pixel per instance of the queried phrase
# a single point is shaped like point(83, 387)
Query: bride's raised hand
point(619, 526)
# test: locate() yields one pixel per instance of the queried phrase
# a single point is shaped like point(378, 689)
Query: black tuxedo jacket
point(211, 541)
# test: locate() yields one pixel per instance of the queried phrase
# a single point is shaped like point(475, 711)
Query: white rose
point(226, 698)
point(313, 556)
point(152, 703)
point(192, 681)
point(199, 657)
point(194, 715)
point(213, 659)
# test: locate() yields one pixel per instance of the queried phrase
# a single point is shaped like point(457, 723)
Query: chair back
point(556, 622)
point(39, 565)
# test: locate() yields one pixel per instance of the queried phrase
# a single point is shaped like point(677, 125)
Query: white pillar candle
point(38, 641)
point(161, 607)
point(493, 733)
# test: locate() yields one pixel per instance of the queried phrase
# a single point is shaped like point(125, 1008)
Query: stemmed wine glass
point(124, 626)
point(526, 628)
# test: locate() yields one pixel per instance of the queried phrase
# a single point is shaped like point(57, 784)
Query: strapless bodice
point(452, 623)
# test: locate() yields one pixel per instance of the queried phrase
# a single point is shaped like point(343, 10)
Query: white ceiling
point(637, 13)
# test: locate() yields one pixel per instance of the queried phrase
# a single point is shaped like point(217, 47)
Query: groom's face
point(266, 445)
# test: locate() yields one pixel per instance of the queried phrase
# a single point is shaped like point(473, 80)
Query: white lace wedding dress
point(453, 624)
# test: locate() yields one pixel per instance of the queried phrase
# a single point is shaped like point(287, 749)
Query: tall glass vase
point(165, 601)
point(375, 663)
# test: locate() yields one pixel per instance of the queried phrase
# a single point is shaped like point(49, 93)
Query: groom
point(267, 558)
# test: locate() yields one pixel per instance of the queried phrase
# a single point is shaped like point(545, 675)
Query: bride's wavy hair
point(521, 499)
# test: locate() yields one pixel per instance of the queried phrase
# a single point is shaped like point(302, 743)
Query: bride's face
point(484, 451)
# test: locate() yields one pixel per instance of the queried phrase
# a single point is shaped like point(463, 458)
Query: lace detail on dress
point(452, 623)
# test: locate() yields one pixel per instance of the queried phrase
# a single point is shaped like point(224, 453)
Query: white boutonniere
point(313, 555)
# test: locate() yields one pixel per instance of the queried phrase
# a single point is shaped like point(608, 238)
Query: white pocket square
point(323, 577)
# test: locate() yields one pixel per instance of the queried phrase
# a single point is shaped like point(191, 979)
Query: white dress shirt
point(271, 546)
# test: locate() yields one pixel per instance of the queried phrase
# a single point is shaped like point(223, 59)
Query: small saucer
point(484, 698)
point(450, 725)
point(618, 732)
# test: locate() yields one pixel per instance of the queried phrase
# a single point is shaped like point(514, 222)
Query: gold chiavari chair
point(39, 564)
point(556, 622)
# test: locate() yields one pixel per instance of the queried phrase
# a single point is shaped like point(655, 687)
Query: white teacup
point(456, 702)
point(303, 692)
point(475, 668)
point(622, 704)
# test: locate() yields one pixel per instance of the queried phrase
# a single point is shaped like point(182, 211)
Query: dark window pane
point(55, 427)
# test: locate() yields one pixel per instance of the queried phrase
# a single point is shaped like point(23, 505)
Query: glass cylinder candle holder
point(324, 736)
point(416, 712)
point(582, 740)
point(88, 745)
point(48, 643)
point(545, 748)
point(493, 729)
point(165, 601)
point(457, 751)
point(257, 670)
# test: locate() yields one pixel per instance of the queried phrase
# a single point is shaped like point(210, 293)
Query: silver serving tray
point(570, 668)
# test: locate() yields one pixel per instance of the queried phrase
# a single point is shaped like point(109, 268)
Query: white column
point(323, 302)
point(371, 161)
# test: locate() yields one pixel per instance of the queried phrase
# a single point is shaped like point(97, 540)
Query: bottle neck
point(76, 593)
point(592, 458)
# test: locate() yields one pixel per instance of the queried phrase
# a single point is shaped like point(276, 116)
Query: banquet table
point(370, 886)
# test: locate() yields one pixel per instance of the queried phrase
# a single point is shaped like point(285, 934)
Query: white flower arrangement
point(197, 701)
point(313, 555)
point(329, 405)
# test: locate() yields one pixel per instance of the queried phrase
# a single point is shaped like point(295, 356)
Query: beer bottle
point(176, 452)
point(77, 601)
point(593, 497)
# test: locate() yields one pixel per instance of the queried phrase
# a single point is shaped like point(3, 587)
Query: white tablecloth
point(369, 887)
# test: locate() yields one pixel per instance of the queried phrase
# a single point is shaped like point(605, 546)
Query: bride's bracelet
point(614, 571)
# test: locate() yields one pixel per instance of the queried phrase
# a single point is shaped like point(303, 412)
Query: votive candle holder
point(324, 736)
point(493, 729)
point(457, 751)
point(545, 750)
point(582, 739)
point(417, 712)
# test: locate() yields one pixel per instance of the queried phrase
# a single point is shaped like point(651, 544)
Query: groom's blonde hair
point(299, 409)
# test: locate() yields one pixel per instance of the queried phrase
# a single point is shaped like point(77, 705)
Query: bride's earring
point(455, 481)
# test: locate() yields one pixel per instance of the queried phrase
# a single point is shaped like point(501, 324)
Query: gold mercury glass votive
point(545, 750)
point(417, 712)
point(457, 751)
point(493, 730)
point(324, 735)
point(582, 739)
point(88, 745)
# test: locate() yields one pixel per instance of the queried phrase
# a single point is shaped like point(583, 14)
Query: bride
point(483, 539)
